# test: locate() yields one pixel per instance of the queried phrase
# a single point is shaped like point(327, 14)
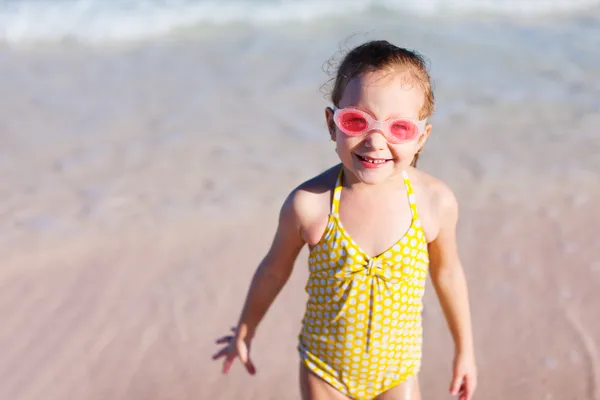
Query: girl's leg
point(314, 388)
point(407, 390)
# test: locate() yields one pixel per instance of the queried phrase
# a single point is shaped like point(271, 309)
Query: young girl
point(375, 226)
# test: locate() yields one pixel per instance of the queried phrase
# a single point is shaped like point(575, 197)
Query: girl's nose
point(375, 140)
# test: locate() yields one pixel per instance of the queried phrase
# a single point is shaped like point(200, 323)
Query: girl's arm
point(275, 268)
point(447, 274)
point(449, 281)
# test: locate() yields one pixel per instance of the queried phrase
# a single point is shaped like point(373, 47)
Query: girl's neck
point(349, 181)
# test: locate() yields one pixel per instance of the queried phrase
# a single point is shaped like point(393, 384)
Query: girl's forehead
point(386, 91)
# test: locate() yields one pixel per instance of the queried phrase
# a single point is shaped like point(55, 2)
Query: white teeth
point(372, 161)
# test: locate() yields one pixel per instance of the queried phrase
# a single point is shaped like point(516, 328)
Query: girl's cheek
point(348, 143)
point(404, 152)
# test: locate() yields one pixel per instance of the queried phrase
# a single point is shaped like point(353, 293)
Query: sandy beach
point(141, 185)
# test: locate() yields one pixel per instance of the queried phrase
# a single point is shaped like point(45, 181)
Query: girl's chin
point(373, 176)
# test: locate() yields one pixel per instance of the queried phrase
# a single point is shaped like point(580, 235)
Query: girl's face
point(383, 95)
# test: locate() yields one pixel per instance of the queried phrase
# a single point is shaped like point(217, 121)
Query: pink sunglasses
point(355, 122)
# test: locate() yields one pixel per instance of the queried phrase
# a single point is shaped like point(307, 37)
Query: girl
point(375, 226)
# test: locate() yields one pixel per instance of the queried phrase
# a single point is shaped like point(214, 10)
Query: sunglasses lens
point(352, 122)
point(403, 130)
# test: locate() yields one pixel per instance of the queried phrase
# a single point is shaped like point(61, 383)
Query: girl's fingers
point(455, 386)
point(228, 362)
point(469, 387)
point(244, 355)
point(225, 339)
point(221, 353)
point(250, 367)
point(241, 350)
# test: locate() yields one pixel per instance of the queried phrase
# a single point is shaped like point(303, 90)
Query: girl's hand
point(464, 376)
point(237, 345)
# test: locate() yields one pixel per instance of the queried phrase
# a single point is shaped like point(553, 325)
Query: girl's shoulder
point(310, 202)
point(429, 186)
point(436, 202)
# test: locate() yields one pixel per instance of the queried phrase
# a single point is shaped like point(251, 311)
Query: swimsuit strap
point(337, 193)
point(411, 194)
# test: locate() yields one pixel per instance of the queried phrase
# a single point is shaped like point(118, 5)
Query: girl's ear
point(421, 143)
point(330, 123)
point(423, 138)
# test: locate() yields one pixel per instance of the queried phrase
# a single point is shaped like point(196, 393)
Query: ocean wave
point(25, 21)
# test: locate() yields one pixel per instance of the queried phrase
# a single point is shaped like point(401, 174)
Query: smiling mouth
point(372, 160)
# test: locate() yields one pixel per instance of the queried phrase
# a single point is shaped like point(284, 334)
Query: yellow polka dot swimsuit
point(362, 330)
